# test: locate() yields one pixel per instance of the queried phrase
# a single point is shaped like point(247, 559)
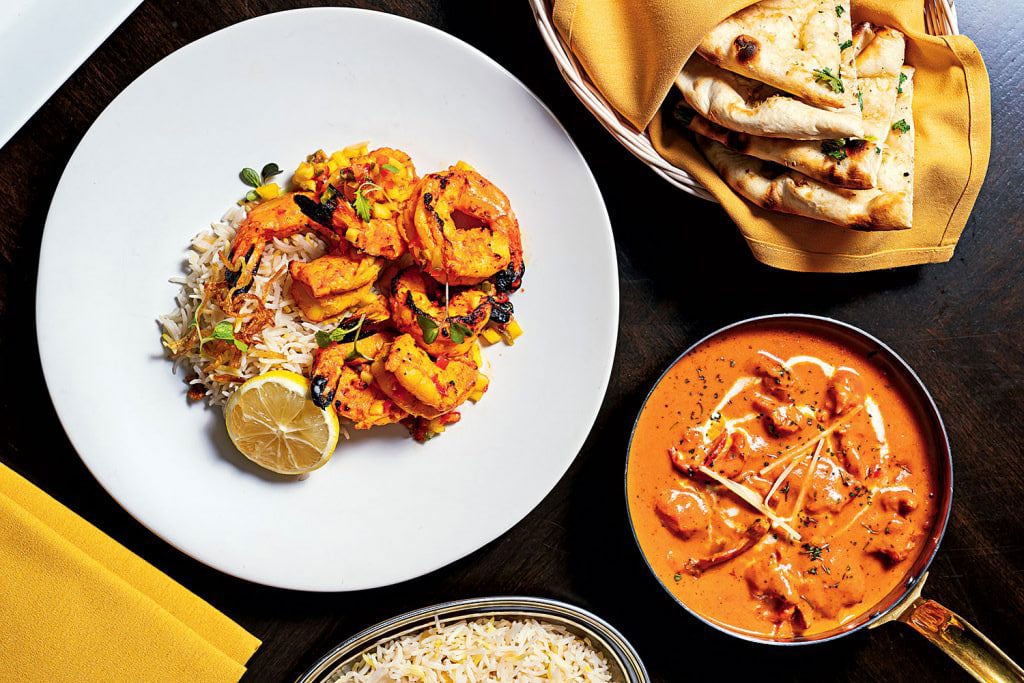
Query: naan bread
point(793, 45)
point(851, 162)
point(748, 106)
point(889, 206)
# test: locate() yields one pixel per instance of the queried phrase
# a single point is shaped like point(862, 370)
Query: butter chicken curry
point(779, 484)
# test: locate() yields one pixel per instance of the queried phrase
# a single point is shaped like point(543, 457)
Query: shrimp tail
point(320, 212)
point(511, 278)
point(232, 277)
point(501, 309)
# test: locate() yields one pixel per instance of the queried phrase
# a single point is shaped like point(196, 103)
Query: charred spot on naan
point(746, 47)
point(849, 172)
point(734, 140)
point(885, 212)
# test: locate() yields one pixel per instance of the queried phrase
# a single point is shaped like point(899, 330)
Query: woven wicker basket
point(939, 19)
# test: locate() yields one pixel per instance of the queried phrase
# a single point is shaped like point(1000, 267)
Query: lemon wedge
point(272, 421)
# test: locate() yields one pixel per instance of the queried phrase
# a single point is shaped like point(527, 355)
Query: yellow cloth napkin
point(632, 52)
point(75, 605)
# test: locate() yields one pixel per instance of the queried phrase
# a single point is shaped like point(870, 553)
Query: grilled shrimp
point(376, 185)
point(415, 298)
point(341, 380)
point(274, 218)
point(461, 230)
point(363, 301)
point(340, 271)
point(419, 385)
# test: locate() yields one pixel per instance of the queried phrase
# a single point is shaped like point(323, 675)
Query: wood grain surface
point(960, 325)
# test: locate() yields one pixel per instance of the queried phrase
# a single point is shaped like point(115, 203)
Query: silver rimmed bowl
point(623, 660)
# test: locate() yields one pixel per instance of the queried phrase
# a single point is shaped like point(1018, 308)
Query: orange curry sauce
point(753, 406)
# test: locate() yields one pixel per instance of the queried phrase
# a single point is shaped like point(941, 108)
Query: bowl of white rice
point(515, 639)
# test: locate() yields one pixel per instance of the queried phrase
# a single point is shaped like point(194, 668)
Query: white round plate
point(162, 162)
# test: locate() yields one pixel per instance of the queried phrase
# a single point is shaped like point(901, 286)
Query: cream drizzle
point(878, 425)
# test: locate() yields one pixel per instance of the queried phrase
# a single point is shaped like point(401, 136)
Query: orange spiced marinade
point(818, 435)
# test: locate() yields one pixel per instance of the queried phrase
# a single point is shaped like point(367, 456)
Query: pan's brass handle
point(961, 641)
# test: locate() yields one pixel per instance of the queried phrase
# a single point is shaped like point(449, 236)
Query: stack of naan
point(802, 112)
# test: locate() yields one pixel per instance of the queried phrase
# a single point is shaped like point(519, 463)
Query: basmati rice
point(288, 344)
point(524, 651)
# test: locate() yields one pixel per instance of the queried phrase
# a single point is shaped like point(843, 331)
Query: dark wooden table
point(960, 325)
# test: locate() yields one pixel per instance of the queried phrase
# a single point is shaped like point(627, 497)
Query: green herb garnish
point(269, 171)
point(356, 353)
point(834, 148)
point(901, 125)
point(828, 78)
point(899, 86)
point(839, 10)
point(860, 99)
point(324, 339)
point(814, 551)
point(362, 206)
point(429, 327)
point(250, 177)
point(458, 332)
point(224, 331)
point(391, 168)
point(845, 44)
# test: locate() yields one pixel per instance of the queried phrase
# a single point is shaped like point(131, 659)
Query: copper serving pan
point(904, 604)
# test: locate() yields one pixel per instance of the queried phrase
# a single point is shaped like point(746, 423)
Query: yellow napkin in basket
point(632, 52)
point(75, 605)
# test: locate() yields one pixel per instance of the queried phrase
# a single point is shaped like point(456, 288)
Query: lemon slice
point(271, 420)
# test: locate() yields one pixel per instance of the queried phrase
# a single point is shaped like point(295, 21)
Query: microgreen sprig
point(324, 339)
point(362, 204)
point(224, 331)
point(429, 327)
point(256, 180)
point(458, 332)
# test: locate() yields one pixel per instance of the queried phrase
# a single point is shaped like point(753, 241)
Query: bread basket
point(939, 19)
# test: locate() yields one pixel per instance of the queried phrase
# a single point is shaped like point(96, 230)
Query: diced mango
point(479, 388)
point(355, 150)
point(352, 235)
point(462, 165)
point(490, 335)
point(513, 331)
point(268, 191)
point(381, 211)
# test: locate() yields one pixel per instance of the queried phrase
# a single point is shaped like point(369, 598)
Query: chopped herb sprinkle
point(828, 78)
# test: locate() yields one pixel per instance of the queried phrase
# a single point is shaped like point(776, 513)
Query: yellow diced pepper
point(355, 150)
point(480, 388)
point(303, 172)
point(513, 330)
point(268, 191)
